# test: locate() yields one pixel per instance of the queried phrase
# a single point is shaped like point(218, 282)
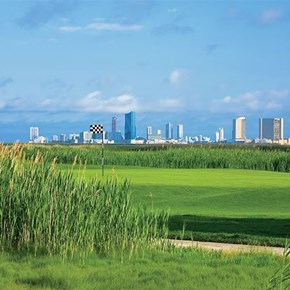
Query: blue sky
point(65, 64)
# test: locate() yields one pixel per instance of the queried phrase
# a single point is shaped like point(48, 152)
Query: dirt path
point(228, 247)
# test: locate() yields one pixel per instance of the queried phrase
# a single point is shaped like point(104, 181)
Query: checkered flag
point(97, 129)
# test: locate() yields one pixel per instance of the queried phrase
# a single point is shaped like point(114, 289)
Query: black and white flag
point(96, 129)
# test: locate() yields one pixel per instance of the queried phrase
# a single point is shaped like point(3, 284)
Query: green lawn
point(176, 269)
point(215, 204)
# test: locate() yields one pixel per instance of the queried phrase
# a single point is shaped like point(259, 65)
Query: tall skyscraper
point(114, 124)
point(149, 132)
point(179, 132)
point(239, 129)
point(169, 131)
point(219, 135)
point(130, 126)
point(271, 128)
point(34, 133)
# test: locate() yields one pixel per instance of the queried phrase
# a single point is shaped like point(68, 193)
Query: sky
point(66, 64)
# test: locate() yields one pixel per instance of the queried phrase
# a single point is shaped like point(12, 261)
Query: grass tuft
point(46, 211)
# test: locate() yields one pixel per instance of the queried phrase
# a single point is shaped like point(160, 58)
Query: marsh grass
point(46, 211)
point(281, 278)
point(269, 158)
point(173, 269)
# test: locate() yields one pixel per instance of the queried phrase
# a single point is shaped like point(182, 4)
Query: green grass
point(177, 269)
point(215, 204)
point(45, 210)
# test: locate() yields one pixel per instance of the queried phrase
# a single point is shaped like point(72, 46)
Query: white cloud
point(69, 28)
point(251, 101)
point(95, 102)
point(270, 15)
point(54, 105)
point(2, 104)
point(227, 99)
point(163, 105)
point(177, 76)
point(102, 26)
point(112, 26)
point(279, 94)
point(170, 104)
point(273, 105)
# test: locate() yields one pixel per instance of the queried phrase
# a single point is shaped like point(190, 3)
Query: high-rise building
point(219, 135)
point(73, 138)
point(114, 124)
point(54, 138)
point(34, 133)
point(86, 137)
point(130, 126)
point(239, 129)
point(169, 131)
point(149, 132)
point(271, 128)
point(62, 137)
point(179, 132)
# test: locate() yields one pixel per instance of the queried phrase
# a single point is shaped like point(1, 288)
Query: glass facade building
point(169, 131)
point(271, 128)
point(179, 132)
point(130, 126)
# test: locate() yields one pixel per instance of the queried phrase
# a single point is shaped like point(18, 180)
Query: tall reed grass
point(240, 157)
point(43, 210)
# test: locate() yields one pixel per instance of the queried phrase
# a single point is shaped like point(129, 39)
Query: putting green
point(209, 192)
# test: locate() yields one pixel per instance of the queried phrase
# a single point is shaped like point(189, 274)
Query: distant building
point(62, 137)
point(40, 139)
point(115, 136)
point(114, 124)
point(219, 135)
point(169, 131)
point(148, 132)
point(179, 132)
point(54, 138)
point(239, 130)
point(155, 137)
point(86, 137)
point(271, 128)
point(74, 138)
point(130, 126)
point(33, 133)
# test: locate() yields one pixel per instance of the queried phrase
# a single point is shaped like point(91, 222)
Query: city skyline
point(270, 130)
point(69, 63)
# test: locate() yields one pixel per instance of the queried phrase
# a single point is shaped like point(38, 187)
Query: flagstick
point(98, 128)
point(102, 153)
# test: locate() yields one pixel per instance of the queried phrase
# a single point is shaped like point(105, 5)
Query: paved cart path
point(228, 247)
